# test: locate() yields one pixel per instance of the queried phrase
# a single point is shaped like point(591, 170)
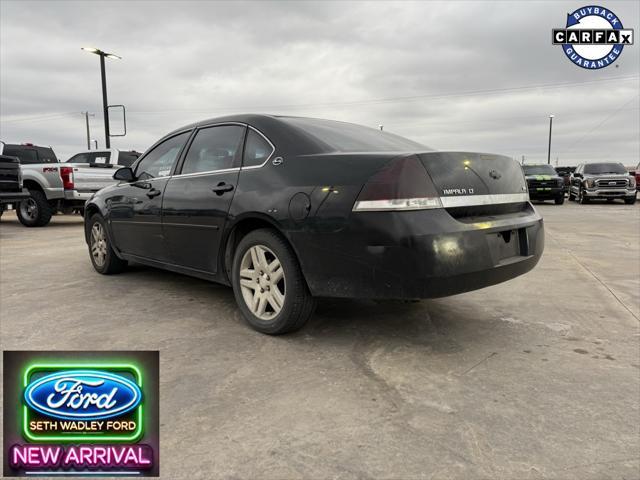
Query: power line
point(397, 99)
point(602, 122)
point(39, 117)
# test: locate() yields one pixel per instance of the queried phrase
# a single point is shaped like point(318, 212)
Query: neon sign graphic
point(73, 402)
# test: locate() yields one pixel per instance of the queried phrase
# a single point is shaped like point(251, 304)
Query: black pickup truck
point(11, 190)
point(544, 183)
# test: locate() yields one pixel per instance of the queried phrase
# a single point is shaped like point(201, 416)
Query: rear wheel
point(103, 258)
point(35, 211)
point(268, 284)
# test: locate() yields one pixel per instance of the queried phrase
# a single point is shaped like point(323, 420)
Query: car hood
point(606, 175)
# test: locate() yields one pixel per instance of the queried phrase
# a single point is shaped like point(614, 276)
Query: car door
point(135, 208)
point(197, 199)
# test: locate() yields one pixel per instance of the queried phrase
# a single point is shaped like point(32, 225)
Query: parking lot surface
point(536, 378)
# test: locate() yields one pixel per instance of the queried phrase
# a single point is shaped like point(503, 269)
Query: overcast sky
point(478, 76)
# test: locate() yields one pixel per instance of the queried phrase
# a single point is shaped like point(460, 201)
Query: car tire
point(630, 200)
point(35, 211)
point(103, 258)
point(268, 284)
point(559, 199)
point(582, 198)
point(571, 197)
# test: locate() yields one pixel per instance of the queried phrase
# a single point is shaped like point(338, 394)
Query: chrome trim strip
point(473, 200)
point(209, 172)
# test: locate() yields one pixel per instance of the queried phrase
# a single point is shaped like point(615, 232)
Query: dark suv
point(602, 181)
point(544, 183)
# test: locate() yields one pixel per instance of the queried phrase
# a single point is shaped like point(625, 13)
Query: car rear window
point(539, 170)
point(603, 168)
point(349, 137)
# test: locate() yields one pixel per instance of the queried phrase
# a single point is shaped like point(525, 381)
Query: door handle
point(153, 193)
point(222, 188)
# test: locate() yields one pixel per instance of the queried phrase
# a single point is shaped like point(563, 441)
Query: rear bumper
point(76, 195)
point(14, 197)
point(419, 254)
point(609, 193)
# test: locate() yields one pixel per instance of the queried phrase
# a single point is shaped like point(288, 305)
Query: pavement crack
point(492, 354)
point(594, 275)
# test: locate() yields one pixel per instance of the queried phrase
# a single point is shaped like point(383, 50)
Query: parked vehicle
point(93, 169)
point(287, 209)
point(602, 181)
point(636, 175)
point(565, 173)
point(544, 183)
point(59, 187)
point(11, 189)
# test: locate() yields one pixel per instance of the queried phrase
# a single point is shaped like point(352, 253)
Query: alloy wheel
point(98, 244)
point(262, 282)
point(29, 209)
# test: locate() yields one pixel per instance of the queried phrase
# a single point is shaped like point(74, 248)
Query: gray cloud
point(185, 61)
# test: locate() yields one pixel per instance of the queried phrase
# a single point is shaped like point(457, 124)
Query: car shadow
point(442, 325)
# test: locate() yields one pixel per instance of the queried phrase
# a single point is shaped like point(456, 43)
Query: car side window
point(99, 158)
point(256, 150)
point(159, 161)
point(79, 158)
point(214, 148)
point(127, 158)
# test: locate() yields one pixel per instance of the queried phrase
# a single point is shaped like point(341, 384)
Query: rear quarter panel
point(47, 176)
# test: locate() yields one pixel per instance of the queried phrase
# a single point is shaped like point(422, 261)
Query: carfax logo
point(593, 37)
point(91, 415)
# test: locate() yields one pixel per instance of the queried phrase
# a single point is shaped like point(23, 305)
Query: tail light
point(403, 184)
point(66, 173)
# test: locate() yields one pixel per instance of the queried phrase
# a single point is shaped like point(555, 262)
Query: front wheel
point(559, 199)
point(630, 200)
point(268, 284)
point(582, 198)
point(103, 258)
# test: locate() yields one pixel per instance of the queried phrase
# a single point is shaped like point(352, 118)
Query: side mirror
point(632, 173)
point(577, 175)
point(124, 174)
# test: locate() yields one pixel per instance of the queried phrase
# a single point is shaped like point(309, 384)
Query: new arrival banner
point(81, 413)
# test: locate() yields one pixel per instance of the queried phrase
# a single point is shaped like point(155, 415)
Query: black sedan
point(286, 209)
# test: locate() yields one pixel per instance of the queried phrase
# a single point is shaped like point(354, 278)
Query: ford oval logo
point(82, 395)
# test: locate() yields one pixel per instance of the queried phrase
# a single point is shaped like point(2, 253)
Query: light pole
point(105, 104)
point(549, 150)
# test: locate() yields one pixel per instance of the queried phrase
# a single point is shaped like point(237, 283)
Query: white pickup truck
point(62, 187)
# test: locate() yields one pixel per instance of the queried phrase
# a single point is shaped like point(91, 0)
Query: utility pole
point(549, 150)
point(86, 119)
point(105, 103)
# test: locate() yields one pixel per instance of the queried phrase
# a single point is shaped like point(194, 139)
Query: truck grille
point(618, 183)
point(533, 184)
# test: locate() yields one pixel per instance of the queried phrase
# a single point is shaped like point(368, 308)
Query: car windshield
point(349, 137)
point(539, 170)
point(602, 168)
